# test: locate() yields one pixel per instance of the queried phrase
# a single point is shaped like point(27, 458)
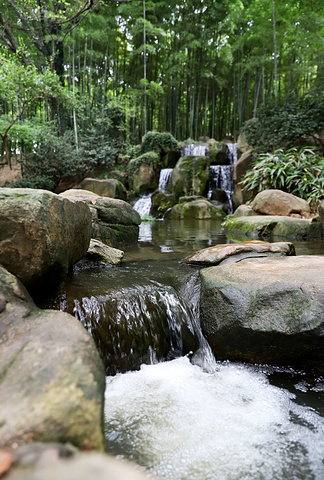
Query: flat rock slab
point(269, 225)
point(266, 310)
point(235, 252)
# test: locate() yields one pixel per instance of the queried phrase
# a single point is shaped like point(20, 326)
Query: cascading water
point(231, 153)
point(165, 176)
point(193, 150)
point(143, 205)
point(179, 421)
point(221, 176)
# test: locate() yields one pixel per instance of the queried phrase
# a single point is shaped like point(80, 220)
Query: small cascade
point(143, 205)
point(135, 324)
point(165, 176)
point(193, 150)
point(231, 153)
point(221, 176)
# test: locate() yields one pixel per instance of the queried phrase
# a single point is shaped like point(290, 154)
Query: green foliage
point(52, 159)
point(158, 142)
point(295, 171)
point(286, 124)
point(104, 139)
point(148, 158)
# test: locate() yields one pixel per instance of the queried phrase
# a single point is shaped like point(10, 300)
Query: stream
point(170, 406)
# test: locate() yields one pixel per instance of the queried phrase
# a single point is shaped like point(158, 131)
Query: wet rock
point(190, 176)
point(235, 252)
point(161, 202)
point(276, 202)
point(264, 226)
point(266, 310)
point(105, 188)
point(52, 378)
point(98, 251)
point(54, 461)
point(199, 208)
point(114, 222)
point(217, 152)
point(42, 235)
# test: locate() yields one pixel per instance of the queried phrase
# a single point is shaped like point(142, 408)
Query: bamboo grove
point(194, 68)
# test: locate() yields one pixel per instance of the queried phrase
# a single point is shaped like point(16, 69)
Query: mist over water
point(181, 423)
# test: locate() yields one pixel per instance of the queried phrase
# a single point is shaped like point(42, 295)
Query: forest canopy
point(196, 68)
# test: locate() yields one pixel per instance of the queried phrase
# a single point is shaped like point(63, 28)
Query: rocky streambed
point(259, 303)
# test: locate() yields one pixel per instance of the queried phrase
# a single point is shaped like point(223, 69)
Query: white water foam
point(143, 205)
point(181, 423)
point(165, 175)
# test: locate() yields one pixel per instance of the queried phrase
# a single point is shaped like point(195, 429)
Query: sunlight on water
point(184, 424)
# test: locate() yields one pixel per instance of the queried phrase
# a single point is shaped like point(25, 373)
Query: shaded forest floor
point(8, 174)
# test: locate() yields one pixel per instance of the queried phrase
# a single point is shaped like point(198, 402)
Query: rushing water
point(231, 153)
point(221, 176)
point(194, 150)
point(143, 205)
point(165, 175)
point(190, 418)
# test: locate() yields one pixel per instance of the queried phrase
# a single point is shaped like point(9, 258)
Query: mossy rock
point(262, 226)
point(217, 153)
point(143, 173)
point(161, 202)
point(190, 176)
point(199, 209)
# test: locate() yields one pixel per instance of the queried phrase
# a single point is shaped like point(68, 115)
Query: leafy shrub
point(52, 159)
point(287, 124)
point(296, 171)
point(158, 142)
point(103, 140)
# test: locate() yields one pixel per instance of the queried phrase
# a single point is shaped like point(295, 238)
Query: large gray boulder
point(277, 202)
point(41, 234)
point(190, 176)
point(52, 378)
point(114, 222)
point(267, 310)
point(110, 187)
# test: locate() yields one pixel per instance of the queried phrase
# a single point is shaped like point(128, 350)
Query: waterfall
point(143, 205)
point(193, 150)
point(165, 176)
point(134, 324)
point(221, 176)
point(231, 153)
